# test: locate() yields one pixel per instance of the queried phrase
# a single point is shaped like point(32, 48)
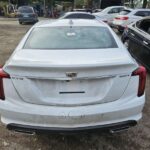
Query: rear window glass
point(71, 16)
point(70, 38)
point(86, 16)
point(78, 16)
point(25, 10)
point(124, 12)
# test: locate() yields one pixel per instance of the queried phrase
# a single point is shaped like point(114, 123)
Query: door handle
point(146, 43)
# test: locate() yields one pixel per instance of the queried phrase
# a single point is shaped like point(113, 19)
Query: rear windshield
point(25, 10)
point(124, 12)
point(70, 38)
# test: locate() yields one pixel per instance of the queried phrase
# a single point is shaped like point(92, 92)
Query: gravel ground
point(137, 138)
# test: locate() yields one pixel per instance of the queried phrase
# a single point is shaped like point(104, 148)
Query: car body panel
point(34, 72)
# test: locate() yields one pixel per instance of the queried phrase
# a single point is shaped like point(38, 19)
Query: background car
point(97, 10)
point(128, 16)
point(137, 38)
point(109, 13)
point(83, 10)
point(27, 14)
point(81, 15)
point(69, 76)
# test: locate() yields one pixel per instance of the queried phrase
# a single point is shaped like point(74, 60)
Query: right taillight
point(141, 72)
point(122, 18)
point(2, 76)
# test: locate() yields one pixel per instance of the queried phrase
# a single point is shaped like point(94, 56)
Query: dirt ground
point(137, 138)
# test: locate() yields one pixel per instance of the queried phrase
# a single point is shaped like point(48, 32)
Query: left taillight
point(2, 76)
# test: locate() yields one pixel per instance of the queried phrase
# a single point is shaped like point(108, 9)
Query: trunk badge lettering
point(71, 74)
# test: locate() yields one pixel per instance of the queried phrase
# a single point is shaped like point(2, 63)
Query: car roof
point(70, 22)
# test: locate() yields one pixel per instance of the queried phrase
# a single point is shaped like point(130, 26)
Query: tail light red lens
point(122, 18)
point(141, 72)
point(2, 76)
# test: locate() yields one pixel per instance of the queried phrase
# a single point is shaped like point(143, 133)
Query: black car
point(27, 14)
point(137, 38)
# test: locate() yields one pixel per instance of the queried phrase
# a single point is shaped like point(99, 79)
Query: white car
point(129, 16)
point(80, 15)
point(109, 13)
point(71, 75)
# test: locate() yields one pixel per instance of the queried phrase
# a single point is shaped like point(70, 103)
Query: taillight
point(141, 72)
point(122, 18)
point(2, 76)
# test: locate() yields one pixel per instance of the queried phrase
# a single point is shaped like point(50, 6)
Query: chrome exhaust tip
point(24, 132)
point(119, 129)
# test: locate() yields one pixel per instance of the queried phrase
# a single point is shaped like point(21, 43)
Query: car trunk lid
point(70, 77)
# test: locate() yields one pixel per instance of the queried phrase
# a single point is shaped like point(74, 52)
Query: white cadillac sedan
point(71, 75)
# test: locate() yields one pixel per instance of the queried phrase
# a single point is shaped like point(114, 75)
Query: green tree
point(145, 3)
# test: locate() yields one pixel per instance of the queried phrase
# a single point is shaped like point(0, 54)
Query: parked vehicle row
point(109, 13)
point(129, 16)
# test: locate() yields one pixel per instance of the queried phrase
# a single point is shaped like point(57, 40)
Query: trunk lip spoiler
point(69, 78)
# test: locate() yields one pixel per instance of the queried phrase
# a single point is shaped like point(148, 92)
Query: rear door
point(146, 51)
point(135, 43)
point(139, 44)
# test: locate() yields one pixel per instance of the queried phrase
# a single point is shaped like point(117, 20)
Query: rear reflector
point(141, 72)
point(122, 18)
point(2, 75)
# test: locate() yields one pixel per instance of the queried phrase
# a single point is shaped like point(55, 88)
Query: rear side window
point(125, 12)
point(142, 13)
point(70, 38)
point(144, 25)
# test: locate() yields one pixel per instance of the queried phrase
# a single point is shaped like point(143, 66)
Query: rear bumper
point(28, 19)
point(21, 114)
point(116, 127)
